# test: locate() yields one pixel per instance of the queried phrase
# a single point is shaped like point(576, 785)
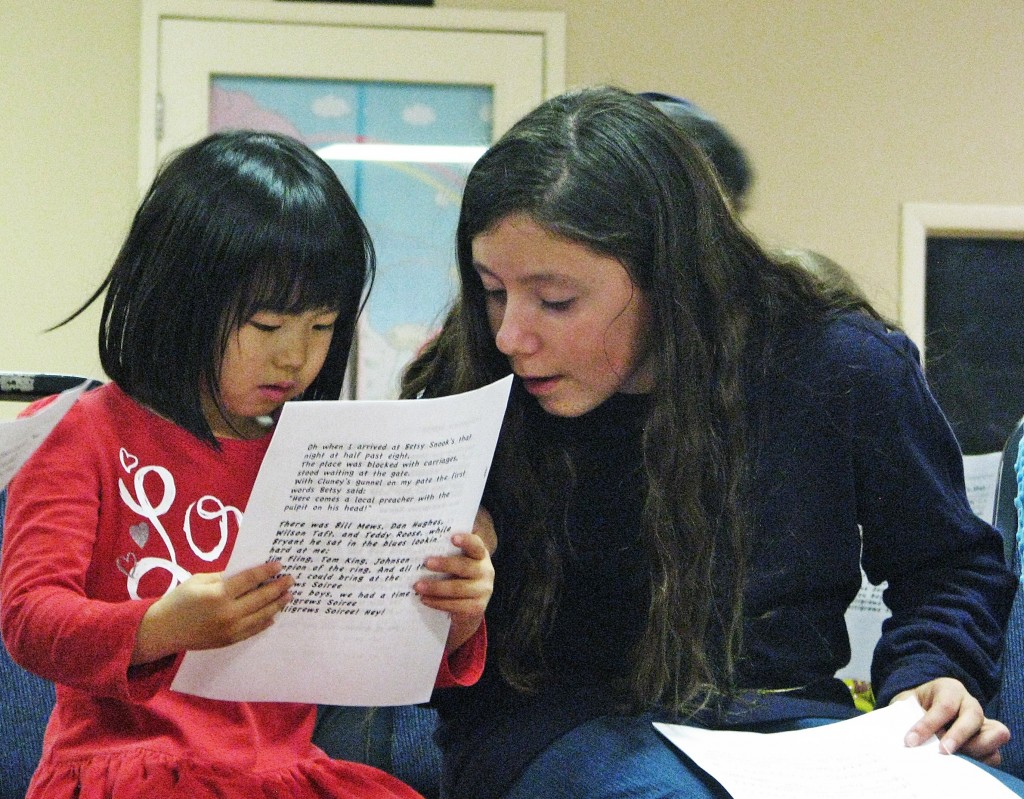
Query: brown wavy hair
point(604, 168)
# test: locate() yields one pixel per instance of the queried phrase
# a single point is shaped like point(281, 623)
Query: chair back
point(1007, 501)
point(28, 386)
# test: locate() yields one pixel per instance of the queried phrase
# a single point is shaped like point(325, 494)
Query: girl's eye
point(324, 322)
point(558, 305)
point(263, 327)
point(494, 295)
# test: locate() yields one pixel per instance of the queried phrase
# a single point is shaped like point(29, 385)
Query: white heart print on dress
point(139, 533)
point(128, 461)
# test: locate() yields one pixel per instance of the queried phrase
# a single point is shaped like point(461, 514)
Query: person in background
point(236, 290)
point(701, 449)
point(729, 159)
point(734, 170)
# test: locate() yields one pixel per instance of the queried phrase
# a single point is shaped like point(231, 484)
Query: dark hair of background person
point(727, 156)
point(733, 166)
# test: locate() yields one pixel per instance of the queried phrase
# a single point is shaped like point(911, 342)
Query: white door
point(335, 76)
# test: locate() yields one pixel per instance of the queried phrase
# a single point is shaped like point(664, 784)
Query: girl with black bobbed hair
point(237, 290)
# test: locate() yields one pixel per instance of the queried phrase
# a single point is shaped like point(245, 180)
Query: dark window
point(974, 336)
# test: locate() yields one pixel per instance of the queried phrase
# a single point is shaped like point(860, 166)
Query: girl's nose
point(291, 350)
point(514, 335)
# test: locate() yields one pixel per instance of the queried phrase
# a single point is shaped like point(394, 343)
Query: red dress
point(115, 508)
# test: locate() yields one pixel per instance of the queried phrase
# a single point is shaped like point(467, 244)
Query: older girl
point(697, 435)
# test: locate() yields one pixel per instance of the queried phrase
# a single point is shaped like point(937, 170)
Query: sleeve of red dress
point(50, 625)
point(465, 665)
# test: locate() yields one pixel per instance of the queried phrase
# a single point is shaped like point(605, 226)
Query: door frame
point(550, 26)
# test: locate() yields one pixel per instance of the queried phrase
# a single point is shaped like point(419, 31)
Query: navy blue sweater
point(847, 437)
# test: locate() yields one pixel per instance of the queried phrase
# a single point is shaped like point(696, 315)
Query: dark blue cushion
point(416, 759)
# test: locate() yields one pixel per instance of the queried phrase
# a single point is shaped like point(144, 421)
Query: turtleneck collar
point(620, 416)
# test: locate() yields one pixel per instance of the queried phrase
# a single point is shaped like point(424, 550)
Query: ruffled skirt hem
point(157, 775)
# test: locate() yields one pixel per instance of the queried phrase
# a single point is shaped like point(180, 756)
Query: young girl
point(701, 448)
point(237, 289)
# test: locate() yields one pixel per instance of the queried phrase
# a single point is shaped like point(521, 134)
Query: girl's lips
point(277, 392)
point(539, 385)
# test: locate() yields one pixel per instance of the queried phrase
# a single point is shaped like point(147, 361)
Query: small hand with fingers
point(958, 719)
point(209, 611)
point(468, 582)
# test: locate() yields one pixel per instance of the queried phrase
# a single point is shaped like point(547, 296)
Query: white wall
point(848, 108)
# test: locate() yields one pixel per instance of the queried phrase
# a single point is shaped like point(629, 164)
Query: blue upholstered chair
point(29, 386)
point(1008, 706)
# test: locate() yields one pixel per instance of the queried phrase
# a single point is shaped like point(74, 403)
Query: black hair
point(237, 223)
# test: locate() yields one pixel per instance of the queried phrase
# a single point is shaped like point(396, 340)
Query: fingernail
point(912, 739)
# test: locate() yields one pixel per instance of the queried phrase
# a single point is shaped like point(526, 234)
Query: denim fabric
point(613, 758)
point(626, 758)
